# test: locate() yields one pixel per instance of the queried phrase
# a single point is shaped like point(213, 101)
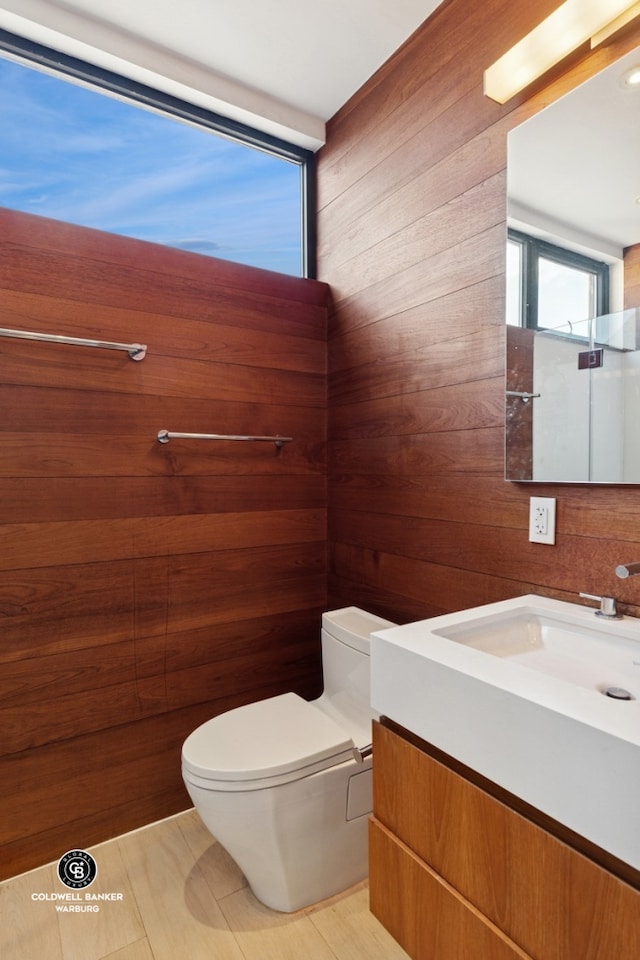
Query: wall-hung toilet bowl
point(276, 781)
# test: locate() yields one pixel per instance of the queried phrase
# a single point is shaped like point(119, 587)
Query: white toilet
point(278, 785)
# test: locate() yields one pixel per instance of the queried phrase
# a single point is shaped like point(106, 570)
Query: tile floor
point(182, 897)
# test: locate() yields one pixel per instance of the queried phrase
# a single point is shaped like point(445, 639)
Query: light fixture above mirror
point(572, 24)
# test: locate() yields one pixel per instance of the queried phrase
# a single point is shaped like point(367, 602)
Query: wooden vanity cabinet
point(457, 874)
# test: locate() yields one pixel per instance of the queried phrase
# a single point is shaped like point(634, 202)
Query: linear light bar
point(616, 24)
point(573, 23)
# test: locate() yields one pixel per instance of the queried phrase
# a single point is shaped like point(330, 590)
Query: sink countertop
point(564, 748)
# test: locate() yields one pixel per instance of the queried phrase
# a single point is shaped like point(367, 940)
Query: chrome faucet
point(625, 570)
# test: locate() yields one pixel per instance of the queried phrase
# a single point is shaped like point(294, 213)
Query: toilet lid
point(266, 739)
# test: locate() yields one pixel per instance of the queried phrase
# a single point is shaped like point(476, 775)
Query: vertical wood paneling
point(412, 227)
point(518, 413)
point(146, 587)
point(632, 276)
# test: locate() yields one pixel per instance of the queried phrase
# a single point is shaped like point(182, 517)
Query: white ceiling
point(283, 66)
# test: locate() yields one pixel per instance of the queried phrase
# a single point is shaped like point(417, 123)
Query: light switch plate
point(542, 520)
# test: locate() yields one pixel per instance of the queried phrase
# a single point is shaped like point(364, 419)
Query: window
point(551, 288)
point(142, 164)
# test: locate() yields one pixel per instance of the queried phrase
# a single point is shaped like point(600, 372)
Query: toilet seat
point(264, 744)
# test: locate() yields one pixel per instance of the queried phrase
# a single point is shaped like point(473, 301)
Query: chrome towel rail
point(524, 396)
point(164, 436)
point(136, 351)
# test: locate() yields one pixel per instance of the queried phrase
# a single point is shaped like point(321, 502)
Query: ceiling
point(282, 66)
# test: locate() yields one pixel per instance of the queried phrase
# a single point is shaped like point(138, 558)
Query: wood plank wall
point(412, 242)
point(146, 587)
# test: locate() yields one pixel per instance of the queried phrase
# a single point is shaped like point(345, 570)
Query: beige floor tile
point(91, 936)
point(222, 873)
point(351, 930)
point(179, 911)
point(264, 934)
point(29, 928)
point(168, 874)
point(140, 950)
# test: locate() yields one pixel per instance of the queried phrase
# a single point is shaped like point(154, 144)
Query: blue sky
point(82, 157)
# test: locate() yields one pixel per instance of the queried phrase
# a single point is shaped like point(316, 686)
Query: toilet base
point(299, 842)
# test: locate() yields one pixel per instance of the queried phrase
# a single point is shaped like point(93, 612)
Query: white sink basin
point(559, 644)
point(517, 691)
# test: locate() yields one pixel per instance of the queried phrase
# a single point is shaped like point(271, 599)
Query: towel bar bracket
point(361, 753)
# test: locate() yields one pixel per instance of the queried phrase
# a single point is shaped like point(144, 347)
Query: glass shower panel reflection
point(573, 401)
point(561, 413)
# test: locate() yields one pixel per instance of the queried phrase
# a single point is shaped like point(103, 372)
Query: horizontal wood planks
point(146, 587)
point(412, 237)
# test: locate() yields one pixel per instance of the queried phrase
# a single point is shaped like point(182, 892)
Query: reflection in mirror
point(573, 401)
point(573, 283)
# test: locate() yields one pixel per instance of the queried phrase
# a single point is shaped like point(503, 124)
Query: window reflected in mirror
point(573, 287)
point(553, 288)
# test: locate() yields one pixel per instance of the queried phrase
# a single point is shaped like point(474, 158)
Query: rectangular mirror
point(573, 286)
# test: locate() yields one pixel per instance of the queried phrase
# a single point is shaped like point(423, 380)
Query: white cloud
point(88, 159)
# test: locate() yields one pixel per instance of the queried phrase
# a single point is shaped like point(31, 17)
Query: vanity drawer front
point(428, 918)
point(551, 900)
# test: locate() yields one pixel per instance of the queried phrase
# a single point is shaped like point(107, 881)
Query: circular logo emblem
point(77, 869)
